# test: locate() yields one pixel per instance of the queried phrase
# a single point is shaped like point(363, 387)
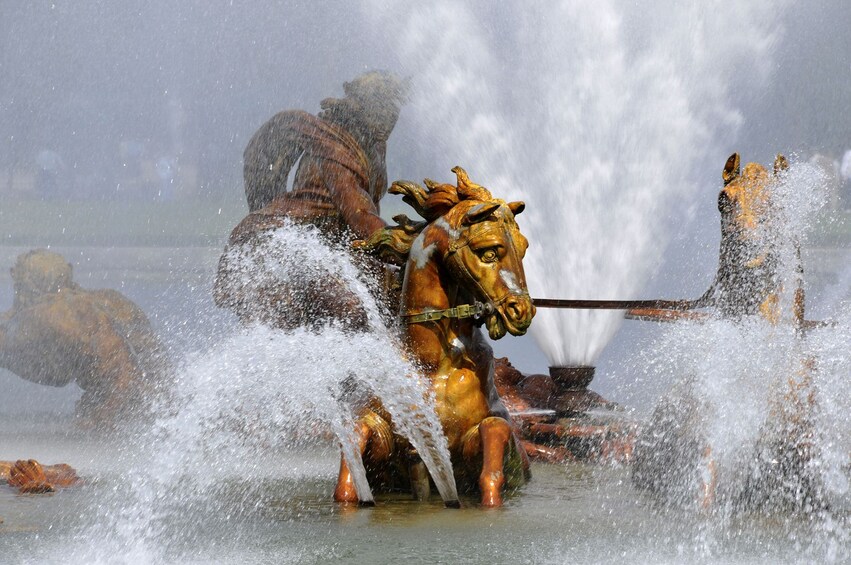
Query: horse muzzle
point(512, 315)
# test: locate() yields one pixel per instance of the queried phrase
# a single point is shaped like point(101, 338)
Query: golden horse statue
point(673, 453)
point(747, 282)
point(462, 268)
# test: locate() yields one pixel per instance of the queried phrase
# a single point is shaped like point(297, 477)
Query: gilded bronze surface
point(748, 281)
point(31, 477)
point(468, 250)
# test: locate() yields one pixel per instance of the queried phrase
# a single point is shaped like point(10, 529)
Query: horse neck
point(428, 288)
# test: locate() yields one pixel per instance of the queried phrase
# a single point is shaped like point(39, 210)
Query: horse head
point(475, 240)
point(745, 201)
point(750, 239)
point(484, 254)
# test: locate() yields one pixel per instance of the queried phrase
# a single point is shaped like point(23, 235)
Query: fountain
point(609, 121)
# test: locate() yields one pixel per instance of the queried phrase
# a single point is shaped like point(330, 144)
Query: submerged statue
point(462, 268)
point(31, 477)
point(340, 179)
point(57, 333)
point(672, 456)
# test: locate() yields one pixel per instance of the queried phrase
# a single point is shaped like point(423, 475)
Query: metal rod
point(616, 304)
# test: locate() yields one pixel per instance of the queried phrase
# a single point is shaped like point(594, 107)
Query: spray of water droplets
point(598, 116)
point(261, 394)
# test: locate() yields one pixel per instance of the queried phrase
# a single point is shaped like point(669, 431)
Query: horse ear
point(479, 212)
point(780, 164)
point(731, 169)
point(517, 207)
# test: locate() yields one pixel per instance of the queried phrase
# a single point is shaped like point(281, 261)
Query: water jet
point(604, 131)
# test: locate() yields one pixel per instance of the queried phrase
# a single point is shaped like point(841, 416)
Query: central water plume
point(598, 116)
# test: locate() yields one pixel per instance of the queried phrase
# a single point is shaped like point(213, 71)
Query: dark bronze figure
point(340, 179)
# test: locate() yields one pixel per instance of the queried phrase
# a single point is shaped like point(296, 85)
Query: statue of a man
point(340, 179)
point(57, 333)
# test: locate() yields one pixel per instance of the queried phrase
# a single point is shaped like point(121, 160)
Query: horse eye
point(489, 255)
point(725, 204)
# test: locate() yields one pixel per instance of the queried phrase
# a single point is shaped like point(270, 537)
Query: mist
point(122, 127)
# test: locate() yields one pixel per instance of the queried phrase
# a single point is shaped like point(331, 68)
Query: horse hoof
point(346, 496)
point(491, 486)
point(452, 503)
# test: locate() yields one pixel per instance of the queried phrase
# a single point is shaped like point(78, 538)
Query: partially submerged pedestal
point(560, 418)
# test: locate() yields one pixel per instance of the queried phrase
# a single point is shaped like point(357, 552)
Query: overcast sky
point(80, 77)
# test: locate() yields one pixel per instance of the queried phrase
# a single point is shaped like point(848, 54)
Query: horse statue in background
point(462, 268)
point(747, 282)
point(673, 457)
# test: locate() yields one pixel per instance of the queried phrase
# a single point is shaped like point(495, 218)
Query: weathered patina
point(340, 179)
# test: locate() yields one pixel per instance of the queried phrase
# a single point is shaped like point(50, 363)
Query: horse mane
point(393, 243)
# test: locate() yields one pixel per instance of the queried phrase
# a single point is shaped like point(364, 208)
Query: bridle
point(477, 310)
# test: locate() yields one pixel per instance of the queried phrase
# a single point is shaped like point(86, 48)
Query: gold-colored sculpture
point(747, 281)
point(31, 477)
point(463, 267)
point(340, 179)
point(57, 333)
point(673, 450)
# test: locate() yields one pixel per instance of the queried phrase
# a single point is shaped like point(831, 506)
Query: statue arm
point(354, 203)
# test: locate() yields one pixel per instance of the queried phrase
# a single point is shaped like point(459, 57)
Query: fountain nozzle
point(576, 377)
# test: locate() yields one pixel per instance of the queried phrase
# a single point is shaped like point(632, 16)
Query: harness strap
point(476, 310)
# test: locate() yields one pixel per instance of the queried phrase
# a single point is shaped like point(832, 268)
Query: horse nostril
point(515, 309)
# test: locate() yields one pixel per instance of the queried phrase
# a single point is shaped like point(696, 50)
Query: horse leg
point(420, 485)
point(375, 440)
point(491, 441)
point(345, 490)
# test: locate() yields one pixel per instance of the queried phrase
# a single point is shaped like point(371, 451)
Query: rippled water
point(282, 512)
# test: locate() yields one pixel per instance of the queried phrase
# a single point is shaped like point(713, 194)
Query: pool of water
point(278, 509)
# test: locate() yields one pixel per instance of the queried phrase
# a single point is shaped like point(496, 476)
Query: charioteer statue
point(340, 179)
